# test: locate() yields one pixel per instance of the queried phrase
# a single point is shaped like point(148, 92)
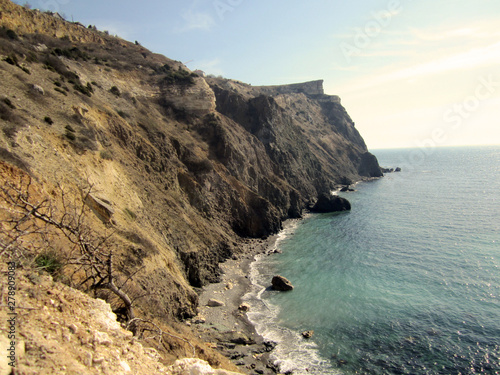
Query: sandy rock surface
point(60, 330)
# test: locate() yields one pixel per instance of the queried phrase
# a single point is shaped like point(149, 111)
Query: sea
point(407, 282)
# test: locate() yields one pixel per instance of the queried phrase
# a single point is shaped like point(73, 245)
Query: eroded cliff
point(181, 167)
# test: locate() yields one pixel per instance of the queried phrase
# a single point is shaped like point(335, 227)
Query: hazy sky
point(410, 73)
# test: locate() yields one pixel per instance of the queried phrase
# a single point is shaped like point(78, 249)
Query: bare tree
point(31, 224)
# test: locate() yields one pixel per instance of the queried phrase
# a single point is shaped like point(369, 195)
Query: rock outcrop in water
point(330, 203)
point(181, 166)
point(308, 334)
point(281, 284)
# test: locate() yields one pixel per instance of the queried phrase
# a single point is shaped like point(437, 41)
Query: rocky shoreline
point(222, 320)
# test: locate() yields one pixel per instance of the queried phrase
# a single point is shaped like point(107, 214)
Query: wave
point(292, 353)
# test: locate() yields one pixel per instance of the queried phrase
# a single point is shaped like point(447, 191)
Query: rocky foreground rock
point(63, 331)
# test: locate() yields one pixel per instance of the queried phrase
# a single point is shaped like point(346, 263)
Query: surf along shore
point(222, 321)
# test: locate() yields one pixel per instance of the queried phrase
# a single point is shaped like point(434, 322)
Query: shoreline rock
point(281, 284)
point(308, 334)
point(390, 170)
point(244, 307)
point(215, 303)
point(346, 188)
point(330, 203)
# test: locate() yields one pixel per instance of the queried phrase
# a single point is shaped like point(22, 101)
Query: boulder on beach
point(199, 319)
point(330, 203)
point(238, 338)
point(281, 283)
point(275, 251)
point(244, 307)
point(215, 303)
point(308, 334)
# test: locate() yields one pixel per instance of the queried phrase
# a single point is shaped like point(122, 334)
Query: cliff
point(308, 88)
point(181, 167)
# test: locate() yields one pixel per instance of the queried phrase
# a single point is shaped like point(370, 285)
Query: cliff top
point(310, 88)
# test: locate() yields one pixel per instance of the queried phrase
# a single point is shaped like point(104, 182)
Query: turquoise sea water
point(408, 282)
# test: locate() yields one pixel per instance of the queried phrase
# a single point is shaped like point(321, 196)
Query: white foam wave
point(293, 352)
point(287, 230)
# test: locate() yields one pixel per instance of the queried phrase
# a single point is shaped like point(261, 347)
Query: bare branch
point(36, 219)
point(131, 276)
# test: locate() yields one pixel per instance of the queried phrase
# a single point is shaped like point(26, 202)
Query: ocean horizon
point(408, 282)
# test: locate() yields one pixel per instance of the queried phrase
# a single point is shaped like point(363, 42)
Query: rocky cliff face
point(181, 166)
point(307, 134)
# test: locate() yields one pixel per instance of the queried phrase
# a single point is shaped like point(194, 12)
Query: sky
point(410, 73)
